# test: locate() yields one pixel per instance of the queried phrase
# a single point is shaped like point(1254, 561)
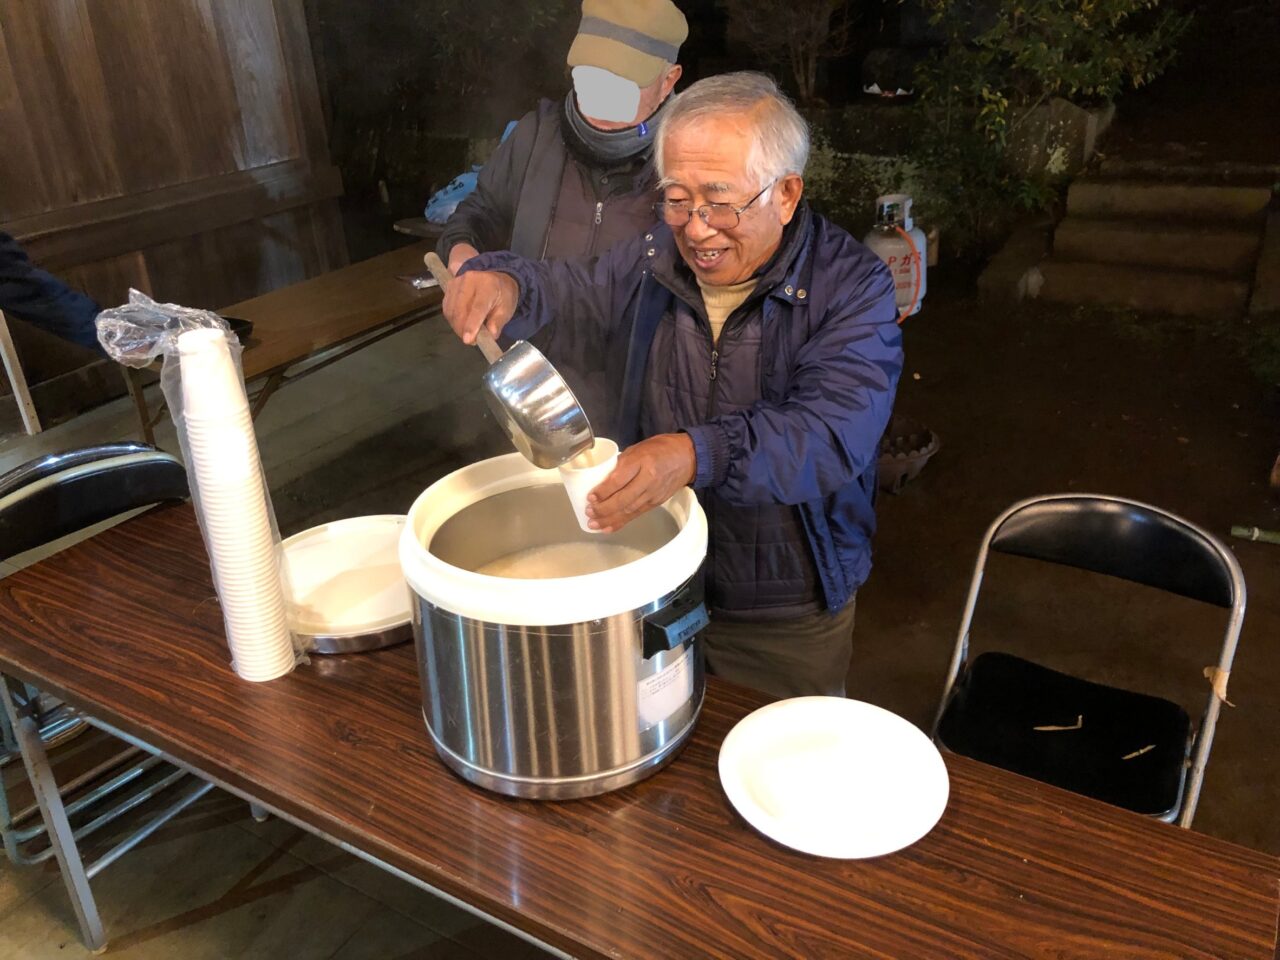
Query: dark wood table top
point(125, 625)
point(298, 321)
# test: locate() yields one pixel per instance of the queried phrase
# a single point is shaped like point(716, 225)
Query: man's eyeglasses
point(717, 216)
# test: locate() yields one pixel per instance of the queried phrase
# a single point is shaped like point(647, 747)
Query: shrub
point(977, 91)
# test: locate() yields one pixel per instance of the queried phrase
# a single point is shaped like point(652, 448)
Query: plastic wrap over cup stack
point(204, 389)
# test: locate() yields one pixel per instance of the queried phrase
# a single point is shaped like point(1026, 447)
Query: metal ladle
point(528, 397)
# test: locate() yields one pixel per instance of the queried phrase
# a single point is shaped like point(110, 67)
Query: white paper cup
point(257, 633)
point(585, 472)
point(261, 672)
point(249, 584)
point(232, 537)
point(227, 475)
point(223, 457)
point(261, 640)
point(237, 565)
point(237, 505)
point(233, 412)
point(211, 383)
point(250, 587)
point(227, 500)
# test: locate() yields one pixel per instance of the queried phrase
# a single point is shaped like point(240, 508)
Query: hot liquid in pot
point(532, 534)
point(561, 560)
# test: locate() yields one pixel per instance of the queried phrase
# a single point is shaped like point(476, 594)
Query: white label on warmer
point(663, 693)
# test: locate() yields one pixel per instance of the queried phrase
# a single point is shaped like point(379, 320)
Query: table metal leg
point(281, 815)
point(133, 381)
point(21, 711)
point(265, 393)
point(259, 813)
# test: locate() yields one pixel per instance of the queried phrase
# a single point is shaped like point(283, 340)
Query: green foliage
point(977, 191)
point(1080, 50)
point(976, 92)
point(843, 185)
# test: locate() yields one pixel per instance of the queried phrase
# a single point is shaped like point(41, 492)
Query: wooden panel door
point(176, 143)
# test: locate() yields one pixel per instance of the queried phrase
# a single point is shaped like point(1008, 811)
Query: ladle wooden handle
point(484, 339)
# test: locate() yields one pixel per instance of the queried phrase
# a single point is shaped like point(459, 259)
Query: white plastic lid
point(344, 579)
point(542, 602)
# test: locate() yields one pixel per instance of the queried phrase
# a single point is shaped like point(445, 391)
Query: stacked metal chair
point(41, 502)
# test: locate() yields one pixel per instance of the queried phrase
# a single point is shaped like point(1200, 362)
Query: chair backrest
point(1121, 538)
point(1133, 541)
point(60, 494)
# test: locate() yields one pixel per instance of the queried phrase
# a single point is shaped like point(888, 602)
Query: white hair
point(780, 141)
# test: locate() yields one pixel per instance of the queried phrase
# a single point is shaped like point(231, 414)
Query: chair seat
point(1001, 699)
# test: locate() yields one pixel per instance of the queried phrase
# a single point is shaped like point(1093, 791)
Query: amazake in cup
point(585, 472)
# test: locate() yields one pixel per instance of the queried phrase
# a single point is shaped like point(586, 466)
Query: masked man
point(576, 176)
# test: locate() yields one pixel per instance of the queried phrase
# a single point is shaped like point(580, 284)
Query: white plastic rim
point(834, 777)
point(344, 579)
point(547, 602)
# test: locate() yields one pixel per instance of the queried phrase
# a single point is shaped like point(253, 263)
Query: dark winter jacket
point(785, 413)
point(40, 298)
point(538, 198)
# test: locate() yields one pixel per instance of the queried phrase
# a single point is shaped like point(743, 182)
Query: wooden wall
point(176, 146)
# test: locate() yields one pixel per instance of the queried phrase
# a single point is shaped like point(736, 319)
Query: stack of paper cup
point(227, 477)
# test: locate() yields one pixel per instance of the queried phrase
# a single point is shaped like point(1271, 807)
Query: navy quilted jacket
point(822, 370)
point(34, 295)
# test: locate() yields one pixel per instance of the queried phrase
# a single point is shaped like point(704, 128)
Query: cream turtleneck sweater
point(722, 301)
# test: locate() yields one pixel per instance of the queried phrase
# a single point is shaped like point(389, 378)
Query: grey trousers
point(803, 656)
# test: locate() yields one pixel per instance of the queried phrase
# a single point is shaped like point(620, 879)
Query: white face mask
point(605, 96)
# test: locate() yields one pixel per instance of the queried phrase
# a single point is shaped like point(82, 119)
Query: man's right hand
point(459, 254)
point(480, 297)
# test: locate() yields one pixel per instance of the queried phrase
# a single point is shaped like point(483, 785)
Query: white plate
point(834, 777)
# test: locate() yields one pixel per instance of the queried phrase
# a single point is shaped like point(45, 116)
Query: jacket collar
point(776, 277)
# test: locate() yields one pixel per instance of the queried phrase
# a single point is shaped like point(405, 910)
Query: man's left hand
point(646, 476)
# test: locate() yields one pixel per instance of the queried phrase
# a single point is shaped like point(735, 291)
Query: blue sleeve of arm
point(825, 432)
point(40, 298)
point(572, 294)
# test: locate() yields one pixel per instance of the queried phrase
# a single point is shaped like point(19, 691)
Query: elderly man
point(755, 352)
point(575, 176)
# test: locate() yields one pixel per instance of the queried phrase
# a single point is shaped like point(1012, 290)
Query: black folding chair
point(40, 502)
point(1129, 749)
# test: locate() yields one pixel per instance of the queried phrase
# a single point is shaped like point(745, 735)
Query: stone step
point(1117, 199)
point(1211, 249)
point(1146, 289)
point(1224, 172)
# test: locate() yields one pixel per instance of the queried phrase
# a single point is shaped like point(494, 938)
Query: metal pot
point(560, 686)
